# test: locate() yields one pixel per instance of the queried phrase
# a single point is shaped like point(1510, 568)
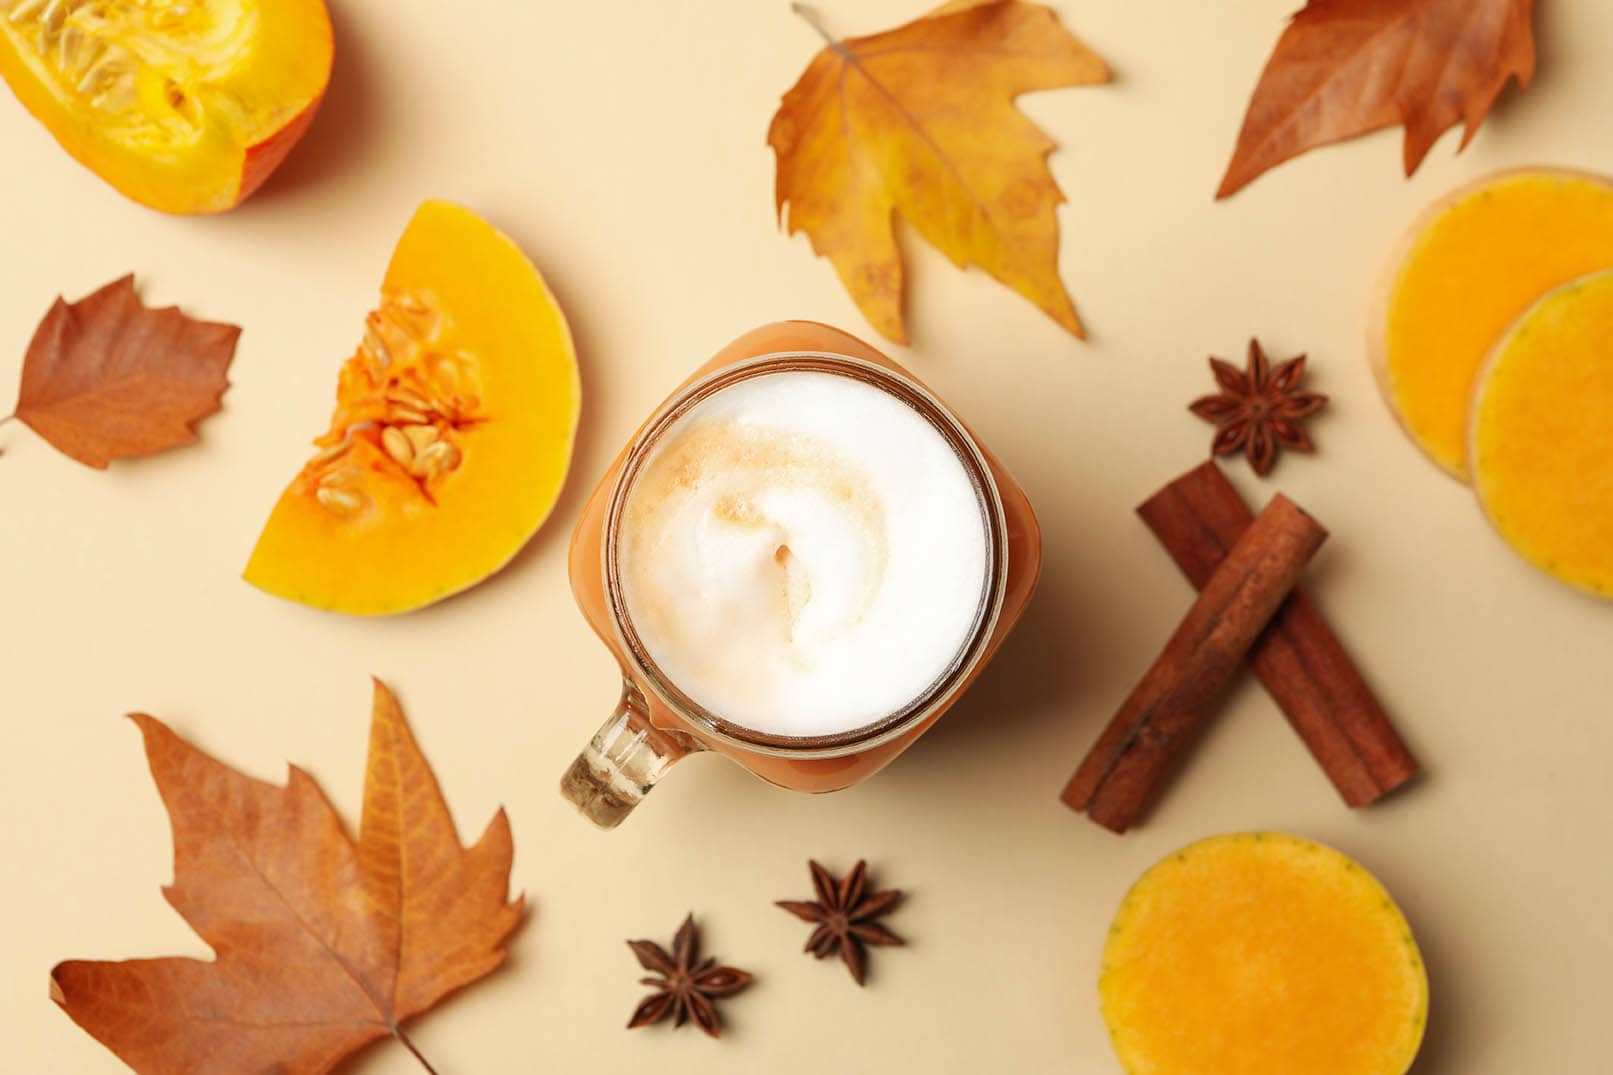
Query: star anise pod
point(1259, 409)
point(687, 984)
point(844, 914)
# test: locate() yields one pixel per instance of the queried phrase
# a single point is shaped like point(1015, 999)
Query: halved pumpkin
point(452, 434)
point(185, 106)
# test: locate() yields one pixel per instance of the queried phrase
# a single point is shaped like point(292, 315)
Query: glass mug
point(656, 723)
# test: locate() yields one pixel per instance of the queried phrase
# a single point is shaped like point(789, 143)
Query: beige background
point(626, 153)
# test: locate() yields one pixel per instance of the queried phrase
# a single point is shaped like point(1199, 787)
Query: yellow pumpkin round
point(1466, 269)
point(1262, 953)
point(1541, 435)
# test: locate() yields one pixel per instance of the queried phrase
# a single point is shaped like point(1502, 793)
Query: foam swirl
point(802, 553)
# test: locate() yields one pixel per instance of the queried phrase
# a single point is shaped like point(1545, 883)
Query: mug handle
point(623, 761)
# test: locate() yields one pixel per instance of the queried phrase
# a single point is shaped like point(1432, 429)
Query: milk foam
point(802, 554)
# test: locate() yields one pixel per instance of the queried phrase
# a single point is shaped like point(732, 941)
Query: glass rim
point(957, 671)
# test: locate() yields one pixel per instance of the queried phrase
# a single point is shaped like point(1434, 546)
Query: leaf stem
point(7, 418)
point(811, 18)
point(397, 1032)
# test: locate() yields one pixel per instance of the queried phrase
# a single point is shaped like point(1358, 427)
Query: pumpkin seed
point(437, 458)
point(339, 501)
point(420, 437)
point(397, 446)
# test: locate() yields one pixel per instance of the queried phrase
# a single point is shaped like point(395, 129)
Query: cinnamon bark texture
point(1117, 780)
point(1299, 659)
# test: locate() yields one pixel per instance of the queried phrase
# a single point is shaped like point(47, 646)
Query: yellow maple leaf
point(920, 120)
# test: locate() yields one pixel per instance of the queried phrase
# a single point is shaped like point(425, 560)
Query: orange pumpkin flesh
point(1469, 266)
point(452, 433)
point(1541, 434)
point(1262, 954)
point(185, 106)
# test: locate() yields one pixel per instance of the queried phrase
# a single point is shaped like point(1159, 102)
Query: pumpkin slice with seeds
point(185, 106)
point(452, 433)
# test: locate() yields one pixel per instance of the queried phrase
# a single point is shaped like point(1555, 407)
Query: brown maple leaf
point(322, 943)
point(109, 378)
point(1346, 67)
point(920, 121)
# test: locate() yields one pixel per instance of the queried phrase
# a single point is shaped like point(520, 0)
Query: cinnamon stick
point(1117, 779)
point(1299, 659)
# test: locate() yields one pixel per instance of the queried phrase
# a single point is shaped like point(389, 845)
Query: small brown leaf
point(108, 378)
point(1346, 67)
point(322, 943)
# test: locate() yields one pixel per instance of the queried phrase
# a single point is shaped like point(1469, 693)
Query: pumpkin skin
point(185, 107)
point(452, 435)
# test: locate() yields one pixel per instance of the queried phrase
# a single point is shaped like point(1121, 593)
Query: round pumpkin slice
point(452, 434)
point(1542, 435)
point(1469, 266)
point(1262, 954)
point(185, 106)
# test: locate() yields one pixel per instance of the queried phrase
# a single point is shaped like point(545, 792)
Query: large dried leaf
point(322, 943)
point(108, 378)
point(1346, 67)
point(920, 121)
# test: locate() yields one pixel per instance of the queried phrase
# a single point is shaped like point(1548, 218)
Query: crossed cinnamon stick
point(1247, 569)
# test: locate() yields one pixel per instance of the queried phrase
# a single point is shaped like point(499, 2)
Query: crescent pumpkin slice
point(452, 434)
point(185, 106)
